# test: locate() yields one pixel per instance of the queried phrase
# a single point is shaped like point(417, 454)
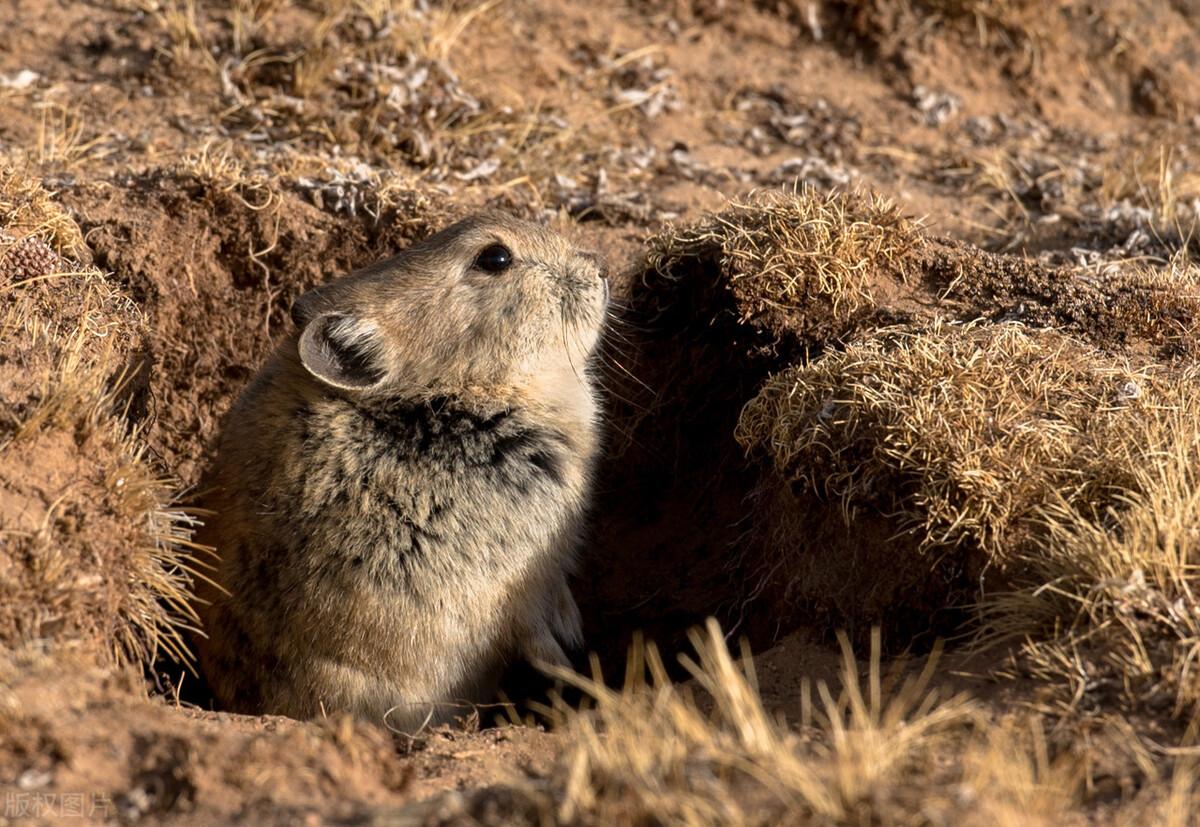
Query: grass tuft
point(884, 747)
point(1109, 608)
point(26, 209)
point(801, 253)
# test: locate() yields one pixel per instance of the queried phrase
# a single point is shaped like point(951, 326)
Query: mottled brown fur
point(398, 493)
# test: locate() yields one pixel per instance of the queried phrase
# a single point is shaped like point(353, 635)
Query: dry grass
point(377, 84)
point(886, 747)
point(93, 550)
point(880, 745)
point(178, 20)
point(27, 209)
point(1110, 610)
point(373, 80)
point(1141, 197)
point(960, 433)
point(103, 565)
point(1065, 473)
point(1157, 182)
point(65, 138)
point(1155, 178)
point(810, 256)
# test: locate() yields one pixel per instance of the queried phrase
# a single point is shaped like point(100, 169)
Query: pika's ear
point(306, 306)
point(342, 351)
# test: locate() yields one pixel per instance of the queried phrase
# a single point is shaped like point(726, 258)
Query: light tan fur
point(399, 492)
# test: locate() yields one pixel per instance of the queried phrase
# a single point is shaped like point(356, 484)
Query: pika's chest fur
point(392, 493)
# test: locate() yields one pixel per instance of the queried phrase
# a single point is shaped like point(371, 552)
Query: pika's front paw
point(557, 631)
point(542, 650)
point(566, 620)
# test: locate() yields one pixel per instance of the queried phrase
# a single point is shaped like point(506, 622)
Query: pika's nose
point(598, 260)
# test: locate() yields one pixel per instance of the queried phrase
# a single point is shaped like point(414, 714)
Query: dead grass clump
point(961, 430)
point(92, 556)
point(1109, 608)
point(27, 210)
point(91, 548)
point(651, 752)
point(956, 438)
point(887, 748)
point(800, 263)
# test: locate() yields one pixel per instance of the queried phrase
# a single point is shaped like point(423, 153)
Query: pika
point(398, 494)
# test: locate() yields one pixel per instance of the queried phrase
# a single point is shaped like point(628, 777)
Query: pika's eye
point(494, 259)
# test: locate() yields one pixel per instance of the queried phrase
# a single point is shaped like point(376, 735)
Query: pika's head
point(488, 305)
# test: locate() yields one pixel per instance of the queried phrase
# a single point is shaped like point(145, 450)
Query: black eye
point(494, 259)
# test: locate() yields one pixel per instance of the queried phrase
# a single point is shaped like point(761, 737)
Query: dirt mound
point(957, 439)
point(191, 246)
point(92, 542)
point(78, 740)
